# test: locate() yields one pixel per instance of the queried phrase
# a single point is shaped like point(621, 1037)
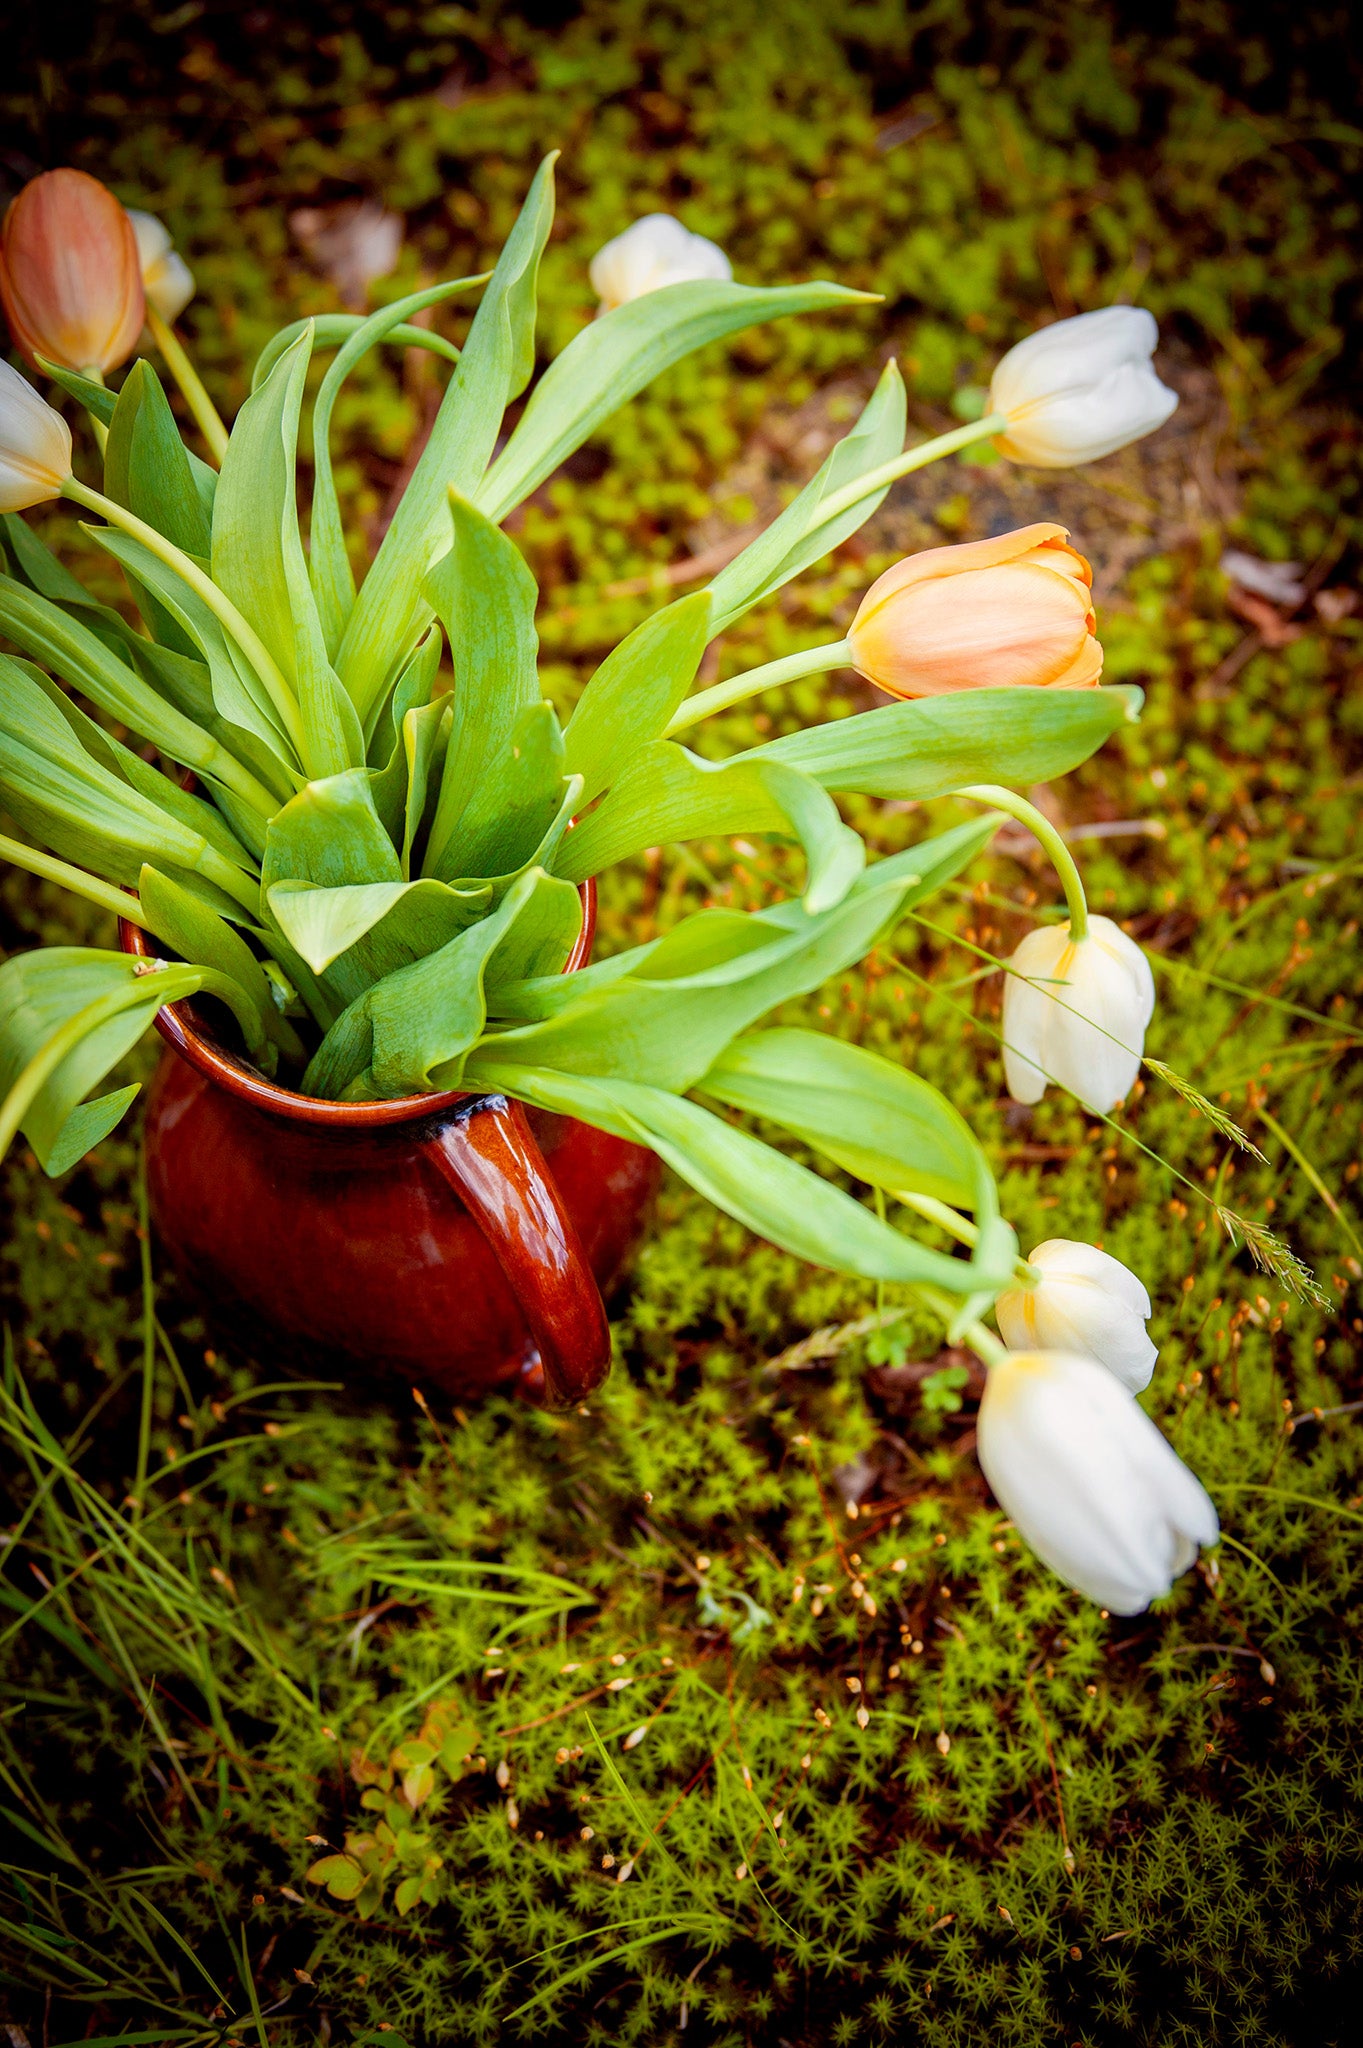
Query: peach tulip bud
point(70, 278)
point(986, 614)
point(35, 445)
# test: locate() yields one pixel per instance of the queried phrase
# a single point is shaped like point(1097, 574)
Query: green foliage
point(1174, 1798)
point(398, 1849)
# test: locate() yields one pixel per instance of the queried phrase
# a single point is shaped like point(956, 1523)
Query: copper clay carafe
point(459, 1239)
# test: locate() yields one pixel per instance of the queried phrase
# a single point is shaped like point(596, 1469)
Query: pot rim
point(187, 1035)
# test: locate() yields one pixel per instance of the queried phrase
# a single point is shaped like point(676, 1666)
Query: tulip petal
point(1075, 351)
point(964, 556)
point(1074, 426)
point(1089, 1480)
point(1010, 624)
point(1081, 388)
point(1088, 1031)
point(70, 278)
point(651, 253)
point(1070, 1257)
point(35, 445)
point(1084, 1302)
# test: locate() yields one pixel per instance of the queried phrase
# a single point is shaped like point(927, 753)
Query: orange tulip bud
point(70, 279)
point(981, 616)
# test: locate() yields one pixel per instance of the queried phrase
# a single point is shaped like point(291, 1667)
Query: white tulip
point(167, 279)
point(1075, 1012)
point(1086, 1302)
point(35, 445)
point(1088, 1480)
point(1080, 388)
point(656, 251)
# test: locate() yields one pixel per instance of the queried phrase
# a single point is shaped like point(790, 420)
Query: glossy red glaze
point(459, 1239)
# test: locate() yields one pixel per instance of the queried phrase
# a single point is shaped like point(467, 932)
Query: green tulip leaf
point(708, 939)
point(62, 642)
point(332, 581)
point(933, 745)
point(392, 607)
point(409, 1033)
point(35, 564)
point(413, 918)
point(330, 834)
point(801, 536)
point(165, 791)
point(511, 811)
point(240, 696)
point(921, 869)
point(191, 928)
point(667, 1028)
point(97, 399)
point(778, 1199)
point(622, 351)
point(330, 330)
point(67, 1015)
point(83, 809)
point(485, 597)
point(668, 793)
point(418, 727)
point(146, 464)
point(632, 696)
point(885, 1125)
point(258, 560)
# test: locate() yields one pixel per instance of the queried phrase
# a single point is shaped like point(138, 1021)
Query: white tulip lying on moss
point(1088, 1480)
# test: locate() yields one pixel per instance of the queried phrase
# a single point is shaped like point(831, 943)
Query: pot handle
point(488, 1154)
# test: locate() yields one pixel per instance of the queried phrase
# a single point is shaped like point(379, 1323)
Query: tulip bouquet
point(379, 873)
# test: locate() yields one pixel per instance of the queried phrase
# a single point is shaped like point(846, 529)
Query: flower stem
point(982, 1342)
point(817, 660)
point(812, 661)
point(191, 384)
point(75, 879)
point(222, 607)
point(958, 1226)
point(912, 458)
point(1063, 860)
point(985, 1344)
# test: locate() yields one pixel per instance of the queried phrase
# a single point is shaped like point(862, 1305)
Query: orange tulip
point(985, 614)
point(70, 279)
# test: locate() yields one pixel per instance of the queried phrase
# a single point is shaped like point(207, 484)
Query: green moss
point(1002, 1817)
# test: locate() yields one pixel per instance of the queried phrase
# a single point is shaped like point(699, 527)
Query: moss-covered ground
point(733, 1711)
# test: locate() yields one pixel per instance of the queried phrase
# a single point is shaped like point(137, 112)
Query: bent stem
point(105, 894)
point(222, 607)
point(817, 660)
point(985, 1345)
point(982, 1342)
point(1061, 858)
point(176, 360)
point(958, 1226)
point(812, 661)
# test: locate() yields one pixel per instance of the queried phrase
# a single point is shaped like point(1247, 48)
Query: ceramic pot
point(459, 1239)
